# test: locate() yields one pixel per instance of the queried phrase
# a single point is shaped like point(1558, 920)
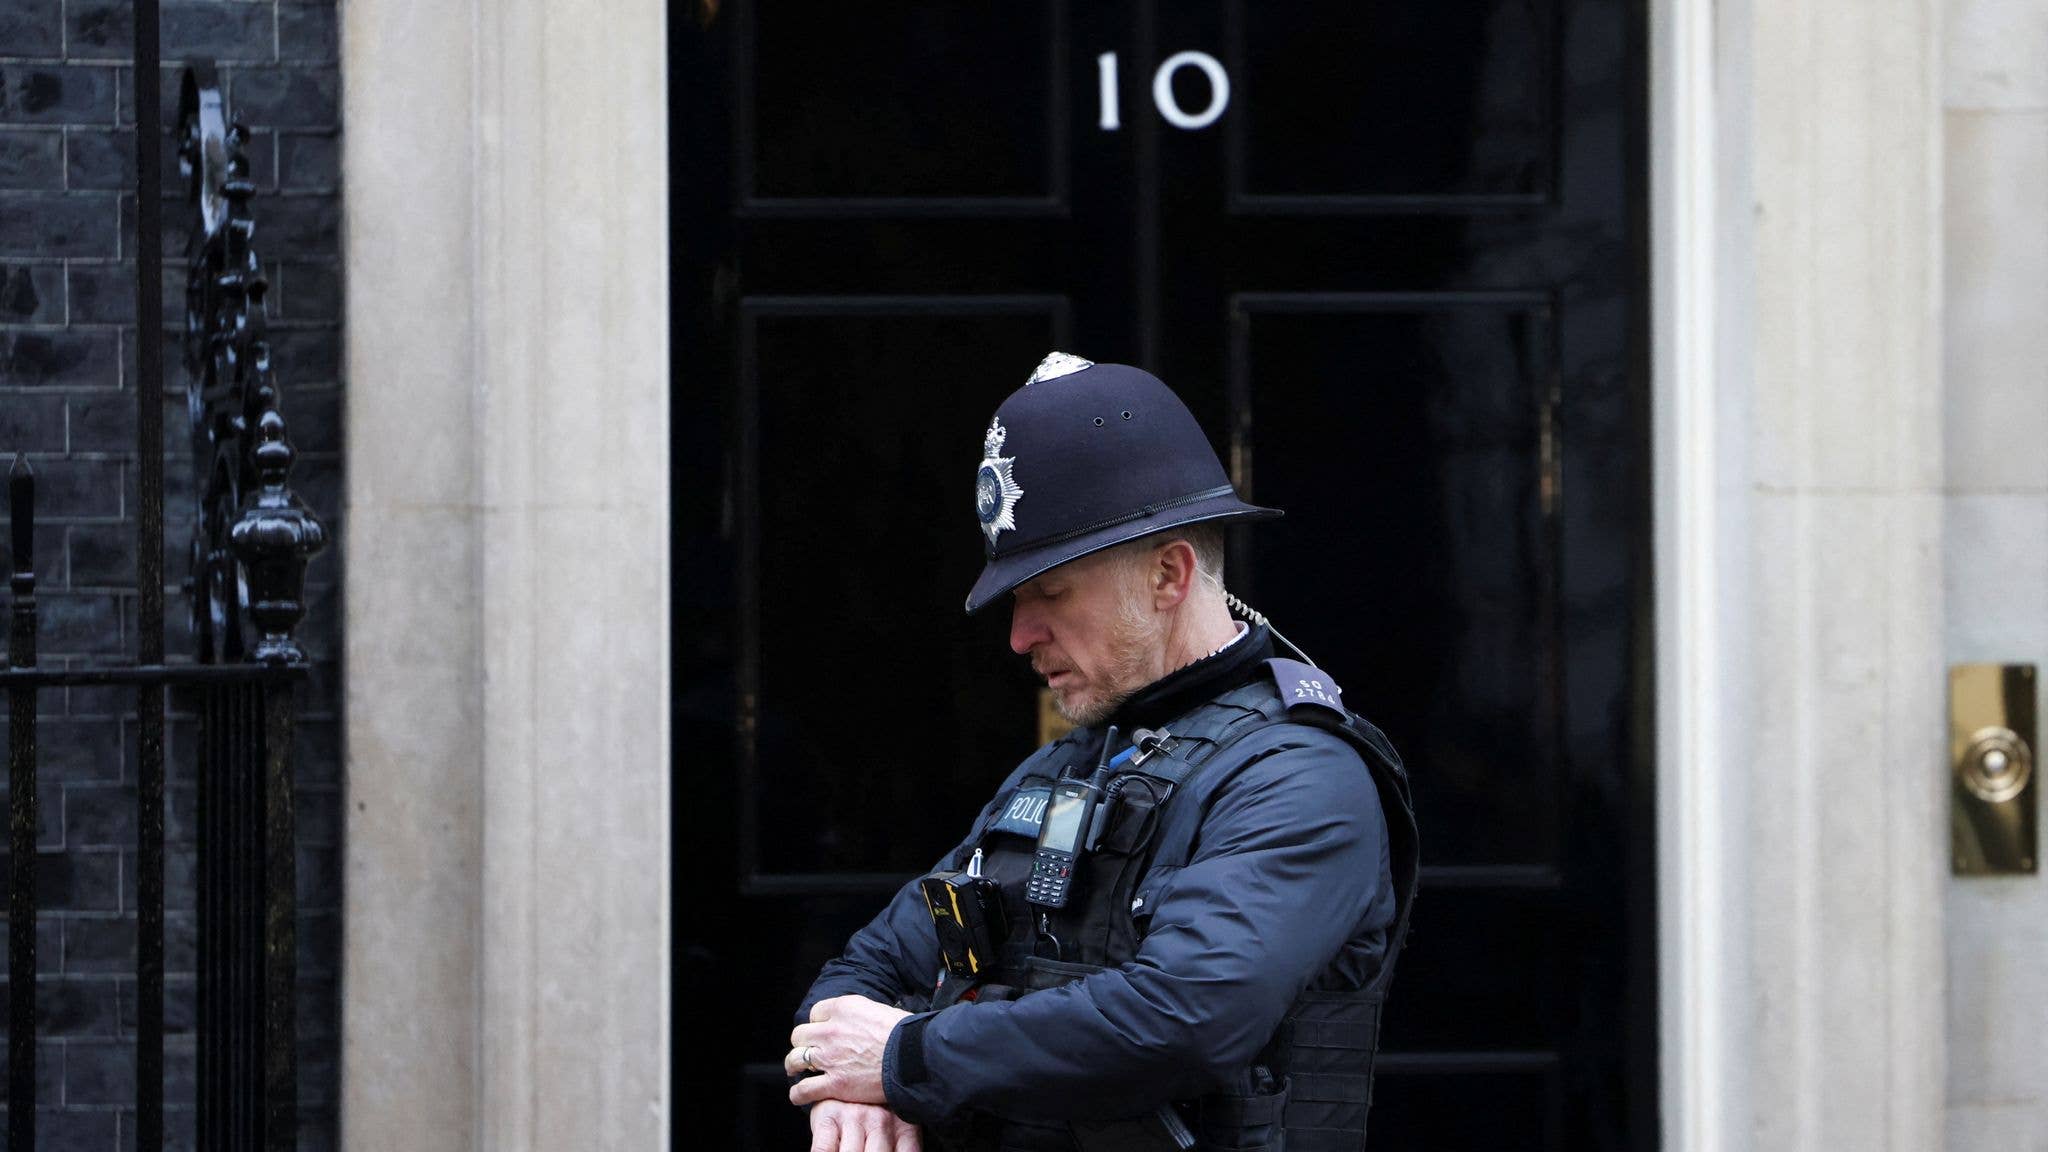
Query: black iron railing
point(250, 547)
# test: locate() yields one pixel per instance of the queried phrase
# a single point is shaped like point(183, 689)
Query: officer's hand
point(837, 1126)
point(844, 1042)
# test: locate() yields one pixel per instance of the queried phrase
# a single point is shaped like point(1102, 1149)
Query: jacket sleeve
point(1289, 860)
point(897, 954)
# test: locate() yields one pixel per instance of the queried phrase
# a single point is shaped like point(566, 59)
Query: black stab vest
point(1310, 1087)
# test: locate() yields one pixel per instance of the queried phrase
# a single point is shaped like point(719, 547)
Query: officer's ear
point(1172, 574)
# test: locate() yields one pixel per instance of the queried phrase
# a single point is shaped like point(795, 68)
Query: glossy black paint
point(149, 589)
point(24, 812)
point(1401, 280)
point(252, 541)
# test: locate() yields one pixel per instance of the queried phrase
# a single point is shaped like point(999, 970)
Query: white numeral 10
point(1162, 90)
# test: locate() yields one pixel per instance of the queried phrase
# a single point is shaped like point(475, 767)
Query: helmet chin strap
point(1257, 617)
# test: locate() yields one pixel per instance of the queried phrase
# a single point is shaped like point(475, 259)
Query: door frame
point(1690, 824)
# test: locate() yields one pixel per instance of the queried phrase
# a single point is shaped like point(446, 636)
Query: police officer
point(1205, 968)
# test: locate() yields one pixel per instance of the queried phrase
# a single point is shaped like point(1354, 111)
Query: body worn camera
point(967, 912)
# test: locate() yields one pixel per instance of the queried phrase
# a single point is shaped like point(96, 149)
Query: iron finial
point(274, 539)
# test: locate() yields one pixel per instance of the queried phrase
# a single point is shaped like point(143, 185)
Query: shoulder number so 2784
point(1313, 690)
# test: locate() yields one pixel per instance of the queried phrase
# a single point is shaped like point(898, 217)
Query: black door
point(1398, 272)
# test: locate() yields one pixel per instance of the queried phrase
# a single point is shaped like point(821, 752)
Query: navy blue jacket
point(1287, 886)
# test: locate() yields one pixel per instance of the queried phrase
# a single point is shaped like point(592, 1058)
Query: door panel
point(840, 463)
point(921, 108)
point(1391, 107)
point(1407, 436)
point(1400, 282)
point(1510, 1103)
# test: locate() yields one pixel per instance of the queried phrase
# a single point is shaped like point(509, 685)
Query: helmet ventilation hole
point(1098, 421)
point(1127, 415)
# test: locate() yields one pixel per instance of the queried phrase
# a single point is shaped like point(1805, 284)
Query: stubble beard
point(1133, 636)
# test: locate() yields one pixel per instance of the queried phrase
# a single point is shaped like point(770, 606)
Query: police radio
point(1069, 830)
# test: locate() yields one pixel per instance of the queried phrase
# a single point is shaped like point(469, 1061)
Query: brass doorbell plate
point(1992, 731)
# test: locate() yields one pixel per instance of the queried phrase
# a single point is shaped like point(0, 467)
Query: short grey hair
point(1207, 539)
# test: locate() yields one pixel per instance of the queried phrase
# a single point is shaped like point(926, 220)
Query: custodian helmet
point(1084, 457)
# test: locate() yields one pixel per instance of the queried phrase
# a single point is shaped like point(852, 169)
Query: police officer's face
point(1088, 629)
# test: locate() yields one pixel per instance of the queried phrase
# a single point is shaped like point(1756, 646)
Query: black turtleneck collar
point(1179, 691)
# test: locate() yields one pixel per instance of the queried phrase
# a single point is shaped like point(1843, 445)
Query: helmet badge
point(1057, 365)
point(995, 488)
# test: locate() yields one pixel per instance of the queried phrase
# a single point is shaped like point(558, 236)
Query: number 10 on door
point(1162, 91)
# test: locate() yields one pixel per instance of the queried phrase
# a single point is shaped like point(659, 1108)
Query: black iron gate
point(249, 552)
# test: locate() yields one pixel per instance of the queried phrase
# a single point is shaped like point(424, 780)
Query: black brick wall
point(67, 398)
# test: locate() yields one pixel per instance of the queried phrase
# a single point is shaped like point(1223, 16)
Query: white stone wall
point(1843, 844)
point(1995, 505)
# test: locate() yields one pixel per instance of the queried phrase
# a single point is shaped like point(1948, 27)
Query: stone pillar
point(1803, 798)
point(507, 935)
point(414, 766)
